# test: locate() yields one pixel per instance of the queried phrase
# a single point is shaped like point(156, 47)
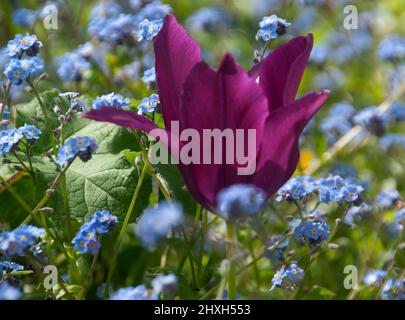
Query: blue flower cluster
point(277, 254)
point(391, 289)
point(388, 199)
point(25, 17)
point(312, 232)
point(374, 277)
point(149, 104)
point(356, 214)
point(394, 289)
point(340, 47)
point(166, 284)
point(209, 19)
point(83, 147)
point(87, 238)
point(72, 67)
point(8, 292)
point(373, 120)
point(111, 100)
point(156, 223)
point(271, 27)
point(241, 201)
point(28, 44)
point(149, 76)
point(338, 122)
point(16, 242)
point(287, 277)
point(390, 141)
point(149, 29)
point(109, 24)
point(19, 70)
point(10, 138)
point(392, 48)
point(397, 112)
point(330, 189)
point(9, 266)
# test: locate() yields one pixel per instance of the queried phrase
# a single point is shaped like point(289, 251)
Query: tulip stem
point(231, 276)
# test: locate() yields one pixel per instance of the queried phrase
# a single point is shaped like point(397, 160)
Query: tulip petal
point(281, 72)
point(279, 154)
point(176, 54)
point(227, 99)
point(123, 118)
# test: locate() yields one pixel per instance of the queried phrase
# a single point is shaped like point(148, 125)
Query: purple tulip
point(199, 97)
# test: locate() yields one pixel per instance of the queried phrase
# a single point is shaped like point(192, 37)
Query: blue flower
point(397, 112)
point(105, 9)
point(103, 221)
point(8, 139)
point(149, 76)
point(72, 67)
point(241, 201)
point(111, 100)
point(373, 120)
point(287, 277)
point(115, 30)
point(24, 17)
point(83, 147)
point(164, 283)
point(390, 141)
point(374, 277)
point(8, 266)
point(394, 289)
point(16, 242)
point(149, 29)
point(210, 19)
point(131, 293)
point(351, 193)
point(155, 223)
point(154, 11)
point(357, 213)
point(392, 48)
point(387, 199)
point(86, 239)
point(297, 188)
point(277, 254)
point(30, 132)
point(8, 292)
point(313, 232)
point(149, 104)
point(319, 54)
point(271, 27)
point(16, 71)
point(28, 44)
point(34, 66)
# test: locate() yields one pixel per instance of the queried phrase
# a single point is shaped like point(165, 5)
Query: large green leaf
point(106, 182)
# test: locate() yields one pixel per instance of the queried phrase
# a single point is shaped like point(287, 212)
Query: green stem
point(123, 229)
point(63, 185)
point(47, 195)
point(231, 276)
point(86, 282)
point(45, 113)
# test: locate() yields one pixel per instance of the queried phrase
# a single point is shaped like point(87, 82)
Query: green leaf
point(29, 113)
point(319, 293)
point(106, 182)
